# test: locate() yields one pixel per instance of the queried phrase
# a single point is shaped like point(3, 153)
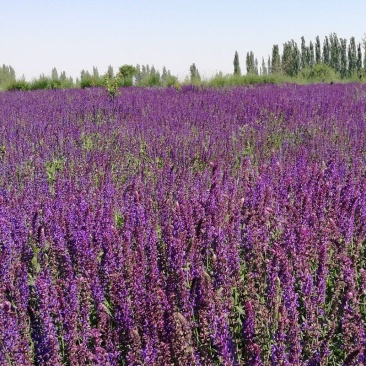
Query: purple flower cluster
point(193, 227)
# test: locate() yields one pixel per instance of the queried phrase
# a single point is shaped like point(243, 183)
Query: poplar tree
point(237, 70)
point(296, 65)
point(264, 67)
point(85, 74)
point(334, 52)
point(352, 56)
point(326, 51)
point(291, 58)
point(54, 74)
point(343, 58)
point(167, 79)
point(155, 78)
point(287, 58)
point(138, 76)
point(304, 59)
point(95, 73)
point(164, 75)
point(317, 50)
point(364, 53)
point(125, 74)
point(7, 75)
point(63, 76)
point(276, 60)
point(359, 60)
point(250, 63)
point(195, 76)
point(311, 54)
point(110, 71)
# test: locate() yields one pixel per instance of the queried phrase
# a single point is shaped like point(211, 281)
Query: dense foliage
point(332, 61)
point(183, 226)
point(345, 62)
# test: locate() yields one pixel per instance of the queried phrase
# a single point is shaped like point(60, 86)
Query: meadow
point(192, 226)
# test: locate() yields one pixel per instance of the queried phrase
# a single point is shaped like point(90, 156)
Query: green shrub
point(18, 85)
point(111, 84)
point(42, 83)
point(220, 80)
point(91, 82)
point(66, 83)
point(125, 75)
point(318, 73)
point(170, 81)
point(152, 80)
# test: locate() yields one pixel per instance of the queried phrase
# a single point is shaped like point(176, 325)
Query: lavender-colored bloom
point(200, 226)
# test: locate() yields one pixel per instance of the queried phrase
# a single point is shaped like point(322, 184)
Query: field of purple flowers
point(193, 227)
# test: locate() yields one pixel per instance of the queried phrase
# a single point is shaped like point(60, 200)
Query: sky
point(72, 35)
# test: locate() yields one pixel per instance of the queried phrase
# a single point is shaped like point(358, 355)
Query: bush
point(67, 83)
point(220, 80)
point(318, 73)
point(17, 85)
point(111, 84)
point(170, 81)
point(42, 83)
point(91, 82)
point(152, 80)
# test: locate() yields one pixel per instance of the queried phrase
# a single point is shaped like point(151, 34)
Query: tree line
point(334, 55)
point(126, 75)
point(334, 59)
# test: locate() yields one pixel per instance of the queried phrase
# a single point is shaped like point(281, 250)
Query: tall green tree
point(296, 63)
point(96, 75)
point(64, 81)
point(352, 56)
point(164, 75)
point(138, 76)
point(248, 63)
point(343, 57)
point(264, 67)
point(145, 75)
point(167, 79)
point(84, 75)
point(364, 53)
point(317, 50)
point(334, 52)
point(54, 74)
point(87, 80)
point(194, 74)
point(237, 70)
point(359, 60)
point(256, 68)
point(251, 64)
point(63, 76)
point(291, 58)
point(287, 58)
point(304, 59)
point(311, 54)
point(7, 75)
point(276, 60)
point(154, 77)
point(326, 51)
point(126, 74)
point(110, 71)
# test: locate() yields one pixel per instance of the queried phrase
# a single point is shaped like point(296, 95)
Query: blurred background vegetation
point(333, 60)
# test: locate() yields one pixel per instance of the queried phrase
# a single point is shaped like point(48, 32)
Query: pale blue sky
point(71, 35)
